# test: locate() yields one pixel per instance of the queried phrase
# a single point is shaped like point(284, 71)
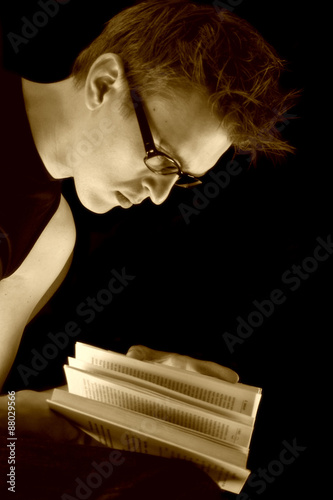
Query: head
point(206, 81)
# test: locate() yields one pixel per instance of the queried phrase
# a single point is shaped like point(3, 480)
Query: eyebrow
point(147, 135)
point(184, 164)
point(166, 148)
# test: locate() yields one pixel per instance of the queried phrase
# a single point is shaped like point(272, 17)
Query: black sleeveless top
point(29, 196)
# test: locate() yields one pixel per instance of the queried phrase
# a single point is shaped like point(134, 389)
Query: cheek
point(108, 158)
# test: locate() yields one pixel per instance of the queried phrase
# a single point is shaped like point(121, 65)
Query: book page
point(145, 384)
point(87, 415)
point(235, 397)
point(129, 396)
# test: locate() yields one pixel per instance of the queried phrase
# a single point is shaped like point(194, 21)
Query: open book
point(152, 408)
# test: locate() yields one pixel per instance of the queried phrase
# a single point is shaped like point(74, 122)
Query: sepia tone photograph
point(166, 250)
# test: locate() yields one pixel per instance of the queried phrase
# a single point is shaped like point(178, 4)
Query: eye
point(163, 150)
point(172, 155)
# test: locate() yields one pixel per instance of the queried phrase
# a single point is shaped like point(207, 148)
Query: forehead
point(186, 128)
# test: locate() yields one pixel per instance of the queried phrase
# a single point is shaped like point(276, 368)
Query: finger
point(185, 362)
point(71, 434)
point(213, 370)
point(144, 353)
point(61, 430)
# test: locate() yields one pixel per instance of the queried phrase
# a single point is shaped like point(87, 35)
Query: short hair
point(174, 46)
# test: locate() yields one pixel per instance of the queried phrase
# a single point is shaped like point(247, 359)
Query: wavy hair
point(170, 47)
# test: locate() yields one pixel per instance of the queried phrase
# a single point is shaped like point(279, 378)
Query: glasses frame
point(185, 180)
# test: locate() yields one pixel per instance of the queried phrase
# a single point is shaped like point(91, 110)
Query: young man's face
point(107, 160)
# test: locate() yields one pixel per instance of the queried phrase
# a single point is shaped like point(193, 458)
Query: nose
point(159, 186)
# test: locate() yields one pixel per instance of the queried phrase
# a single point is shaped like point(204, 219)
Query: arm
point(24, 293)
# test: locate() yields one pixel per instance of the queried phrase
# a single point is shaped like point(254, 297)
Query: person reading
point(166, 89)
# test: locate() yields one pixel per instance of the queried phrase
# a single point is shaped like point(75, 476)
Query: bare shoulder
point(61, 227)
point(54, 246)
point(48, 258)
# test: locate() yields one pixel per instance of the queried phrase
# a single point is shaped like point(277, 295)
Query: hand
point(185, 362)
point(34, 418)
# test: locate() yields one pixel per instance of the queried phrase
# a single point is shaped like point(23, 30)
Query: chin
point(101, 208)
point(96, 204)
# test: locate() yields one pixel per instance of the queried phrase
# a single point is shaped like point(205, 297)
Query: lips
point(137, 202)
point(127, 202)
point(123, 201)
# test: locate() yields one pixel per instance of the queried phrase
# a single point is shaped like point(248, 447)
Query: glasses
point(157, 161)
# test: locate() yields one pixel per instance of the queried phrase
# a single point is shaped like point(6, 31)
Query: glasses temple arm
point(147, 137)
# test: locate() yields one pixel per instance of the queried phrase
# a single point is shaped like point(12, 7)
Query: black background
point(193, 280)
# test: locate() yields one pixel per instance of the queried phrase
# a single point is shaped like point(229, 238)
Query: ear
point(105, 78)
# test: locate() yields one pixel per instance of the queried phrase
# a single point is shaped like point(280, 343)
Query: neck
point(49, 109)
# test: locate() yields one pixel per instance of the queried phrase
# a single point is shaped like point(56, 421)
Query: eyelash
point(175, 157)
